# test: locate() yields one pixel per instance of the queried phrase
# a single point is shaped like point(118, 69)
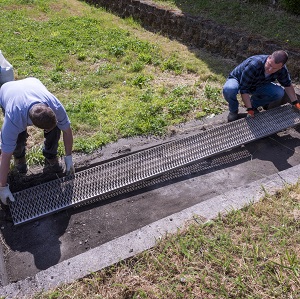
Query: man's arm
point(68, 141)
point(4, 187)
point(290, 91)
point(4, 168)
point(248, 78)
point(246, 100)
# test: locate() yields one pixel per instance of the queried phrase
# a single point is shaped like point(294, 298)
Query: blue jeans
point(50, 144)
point(263, 95)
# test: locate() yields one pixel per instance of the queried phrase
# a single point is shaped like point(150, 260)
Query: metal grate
point(133, 171)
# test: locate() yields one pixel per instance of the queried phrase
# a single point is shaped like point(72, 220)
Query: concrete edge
point(142, 239)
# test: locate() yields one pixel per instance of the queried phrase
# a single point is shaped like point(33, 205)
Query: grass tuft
point(249, 17)
point(249, 253)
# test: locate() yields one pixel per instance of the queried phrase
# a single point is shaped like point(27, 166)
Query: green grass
point(255, 18)
point(114, 78)
point(250, 253)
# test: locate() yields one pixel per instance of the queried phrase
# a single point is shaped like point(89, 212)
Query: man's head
point(43, 117)
point(275, 61)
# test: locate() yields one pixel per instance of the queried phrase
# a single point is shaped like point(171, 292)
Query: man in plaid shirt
point(255, 80)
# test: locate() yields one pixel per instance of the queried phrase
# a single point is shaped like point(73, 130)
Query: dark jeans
point(50, 144)
point(263, 95)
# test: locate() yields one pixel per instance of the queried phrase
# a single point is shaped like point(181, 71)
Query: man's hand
point(296, 104)
point(6, 194)
point(70, 169)
point(250, 112)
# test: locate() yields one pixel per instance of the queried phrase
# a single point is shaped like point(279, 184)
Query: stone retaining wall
point(199, 32)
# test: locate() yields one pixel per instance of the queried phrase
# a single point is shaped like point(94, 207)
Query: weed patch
point(105, 70)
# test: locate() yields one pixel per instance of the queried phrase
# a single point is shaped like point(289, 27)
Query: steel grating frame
point(128, 173)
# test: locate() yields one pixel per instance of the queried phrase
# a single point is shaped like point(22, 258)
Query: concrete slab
point(72, 243)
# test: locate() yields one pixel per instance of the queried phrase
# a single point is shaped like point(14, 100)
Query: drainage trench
point(134, 171)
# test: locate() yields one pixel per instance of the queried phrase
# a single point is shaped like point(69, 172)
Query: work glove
point(70, 169)
point(250, 112)
point(296, 104)
point(6, 194)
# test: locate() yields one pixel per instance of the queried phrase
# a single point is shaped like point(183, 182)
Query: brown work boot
point(53, 165)
point(20, 164)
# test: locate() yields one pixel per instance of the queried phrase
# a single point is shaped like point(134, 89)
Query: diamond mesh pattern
point(135, 170)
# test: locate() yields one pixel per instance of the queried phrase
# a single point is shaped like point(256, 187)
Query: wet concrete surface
point(38, 245)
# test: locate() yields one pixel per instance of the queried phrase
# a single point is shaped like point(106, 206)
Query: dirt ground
point(45, 242)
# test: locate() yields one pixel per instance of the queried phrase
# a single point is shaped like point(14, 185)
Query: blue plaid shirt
point(251, 74)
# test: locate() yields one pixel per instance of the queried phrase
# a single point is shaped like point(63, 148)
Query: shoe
point(256, 111)
point(232, 116)
point(53, 165)
point(20, 164)
point(266, 107)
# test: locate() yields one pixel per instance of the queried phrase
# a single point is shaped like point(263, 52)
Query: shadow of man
point(282, 149)
point(35, 246)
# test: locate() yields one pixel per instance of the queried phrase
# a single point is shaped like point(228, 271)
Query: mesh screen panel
point(135, 170)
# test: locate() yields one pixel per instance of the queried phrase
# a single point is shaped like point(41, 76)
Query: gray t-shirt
point(16, 99)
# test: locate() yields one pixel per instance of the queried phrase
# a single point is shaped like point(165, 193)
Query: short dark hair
point(280, 56)
point(42, 116)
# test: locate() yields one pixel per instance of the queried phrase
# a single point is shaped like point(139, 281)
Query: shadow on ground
point(37, 245)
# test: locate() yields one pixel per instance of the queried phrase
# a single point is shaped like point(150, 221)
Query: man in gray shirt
point(25, 103)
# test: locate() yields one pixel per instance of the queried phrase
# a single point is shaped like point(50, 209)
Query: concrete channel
point(70, 244)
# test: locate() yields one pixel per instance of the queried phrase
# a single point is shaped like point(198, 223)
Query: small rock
point(124, 149)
